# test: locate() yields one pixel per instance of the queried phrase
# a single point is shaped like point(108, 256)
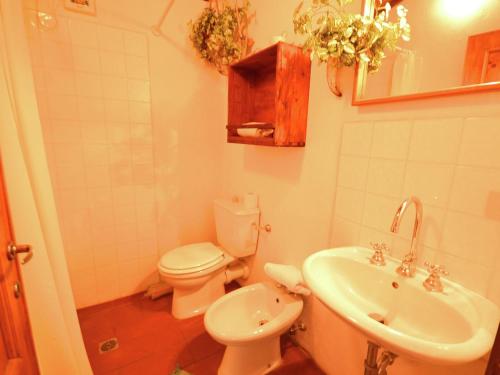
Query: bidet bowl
point(254, 312)
point(452, 327)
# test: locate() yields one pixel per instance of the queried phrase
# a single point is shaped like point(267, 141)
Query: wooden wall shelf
point(270, 87)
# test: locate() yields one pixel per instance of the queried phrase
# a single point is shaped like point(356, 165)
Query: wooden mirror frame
point(361, 72)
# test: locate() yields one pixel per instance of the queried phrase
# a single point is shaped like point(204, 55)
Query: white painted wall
point(56, 333)
point(131, 126)
point(298, 188)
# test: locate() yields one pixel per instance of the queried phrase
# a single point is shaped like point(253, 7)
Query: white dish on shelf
point(254, 132)
point(254, 123)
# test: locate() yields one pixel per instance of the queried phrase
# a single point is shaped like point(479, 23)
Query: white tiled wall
point(93, 88)
point(452, 165)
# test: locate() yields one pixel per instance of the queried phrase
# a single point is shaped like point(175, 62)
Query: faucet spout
point(407, 267)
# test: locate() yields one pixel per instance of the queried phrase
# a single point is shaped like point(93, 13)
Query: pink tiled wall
point(452, 165)
point(93, 90)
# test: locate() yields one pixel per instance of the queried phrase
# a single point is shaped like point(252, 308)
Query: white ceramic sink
point(452, 327)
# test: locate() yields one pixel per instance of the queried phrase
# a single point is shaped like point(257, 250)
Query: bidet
point(249, 322)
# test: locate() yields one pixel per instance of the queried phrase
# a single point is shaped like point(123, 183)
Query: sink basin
point(452, 327)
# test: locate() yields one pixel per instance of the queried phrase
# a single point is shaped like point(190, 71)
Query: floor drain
point(108, 345)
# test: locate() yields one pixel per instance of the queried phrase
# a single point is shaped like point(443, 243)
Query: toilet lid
point(189, 258)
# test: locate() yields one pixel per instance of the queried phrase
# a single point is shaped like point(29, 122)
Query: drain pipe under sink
point(374, 367)
point(236, 270)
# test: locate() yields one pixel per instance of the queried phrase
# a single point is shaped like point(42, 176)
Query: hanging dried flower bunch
point(335, 36)
point(220, 34)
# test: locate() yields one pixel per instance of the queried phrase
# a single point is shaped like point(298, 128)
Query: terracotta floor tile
point(171, 343)
point(152, 365)
point(134, 320)
point(191, 325)
point(203, 346)
point(130, 350)
point(200, 343)
point(96, 330)
point(306, 367)
point(163, 303)
point(90, 310)
point(292, 353)
point(126, 318)
point(153, 342)
point(207, 366)
point(296, 361)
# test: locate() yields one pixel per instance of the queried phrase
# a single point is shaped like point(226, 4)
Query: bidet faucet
point(407, 267)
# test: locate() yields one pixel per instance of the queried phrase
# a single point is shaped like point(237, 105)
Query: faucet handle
point(436, 269)
point(382, 247)
point(433, 282)
point(378, 256)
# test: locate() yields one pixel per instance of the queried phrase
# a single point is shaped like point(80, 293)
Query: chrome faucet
point(407, 267)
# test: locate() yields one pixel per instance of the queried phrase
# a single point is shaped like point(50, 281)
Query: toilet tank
point(234, 224)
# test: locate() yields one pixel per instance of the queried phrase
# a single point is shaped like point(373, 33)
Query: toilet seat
point(191, 259)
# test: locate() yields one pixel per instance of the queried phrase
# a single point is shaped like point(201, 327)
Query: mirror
point(454, 49)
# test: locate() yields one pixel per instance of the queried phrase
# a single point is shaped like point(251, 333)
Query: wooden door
point(17, 354)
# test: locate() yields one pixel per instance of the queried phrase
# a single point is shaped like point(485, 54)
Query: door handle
point(13, 250)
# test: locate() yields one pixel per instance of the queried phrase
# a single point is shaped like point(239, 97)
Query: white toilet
point(249, 321)
point(198, 272)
